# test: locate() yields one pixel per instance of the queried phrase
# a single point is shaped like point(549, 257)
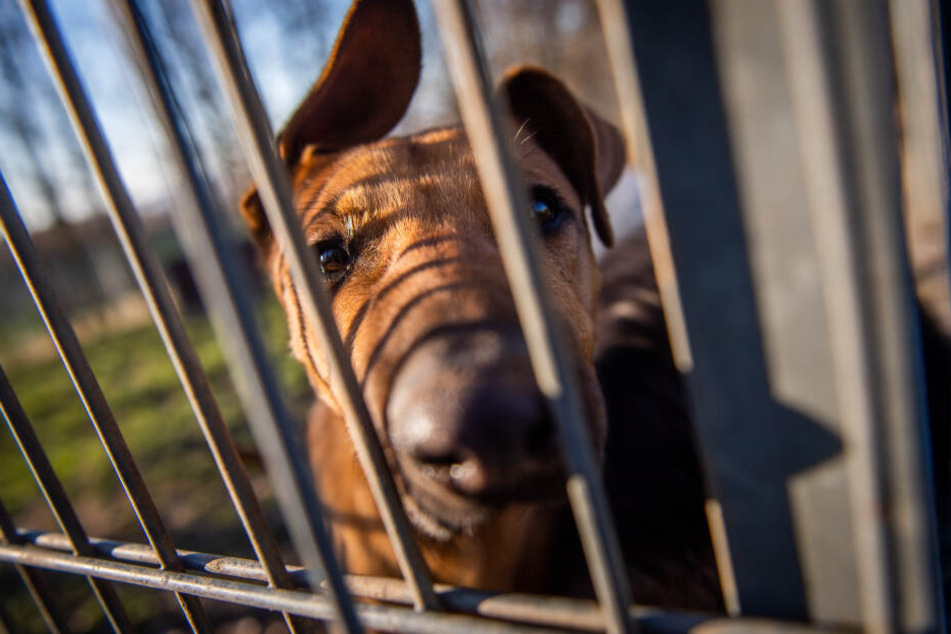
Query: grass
point(159, 427)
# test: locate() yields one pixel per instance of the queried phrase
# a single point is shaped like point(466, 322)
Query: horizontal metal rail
point(532, 610)
point(90, 393)
point(535, 610)
point(56, 498)
point(273, 183)
point(506, 198)
point(154, 286)
point(252, 595)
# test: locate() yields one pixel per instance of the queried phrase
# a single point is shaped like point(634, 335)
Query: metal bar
point(224, 291)
point(535, 610)
point(840, 53)
point(753, 446)
point(302, 603)
point(789, 299)
point(154, 286)
point(617, 40)
point(134, 553)
point(505, 194)
point(57, 499)
point(822, 169)
point(555, 612)
point(923, 138)
point(100, 415)
point(273, 185)
point(34, 581)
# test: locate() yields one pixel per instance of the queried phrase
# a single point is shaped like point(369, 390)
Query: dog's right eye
point(548, 208)
point(334, 259)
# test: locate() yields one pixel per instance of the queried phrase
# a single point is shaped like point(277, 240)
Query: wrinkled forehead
point(432, 169)
point(429, 174)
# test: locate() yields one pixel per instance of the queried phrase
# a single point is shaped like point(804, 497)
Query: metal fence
point(802, 541)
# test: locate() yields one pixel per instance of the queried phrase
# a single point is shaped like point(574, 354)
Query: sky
point(284, 66)
point(123, 108)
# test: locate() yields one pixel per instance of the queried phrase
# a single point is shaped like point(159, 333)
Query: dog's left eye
point(549, 209)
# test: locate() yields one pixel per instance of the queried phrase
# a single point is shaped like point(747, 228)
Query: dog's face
point(402, 233)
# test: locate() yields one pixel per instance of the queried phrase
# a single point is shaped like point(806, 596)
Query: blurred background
point(287, 43)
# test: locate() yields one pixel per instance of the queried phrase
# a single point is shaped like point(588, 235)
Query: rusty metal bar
point(34, 581)
point(302, 603)
point(154, 286)
point(534, 610)
point(554, 612)
point(617, 40)
point(56, 497)
point(274, 188)
point(485, 126)
point(224, 290)
point(98, 410)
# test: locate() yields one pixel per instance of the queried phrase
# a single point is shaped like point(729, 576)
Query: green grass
point(157, 422)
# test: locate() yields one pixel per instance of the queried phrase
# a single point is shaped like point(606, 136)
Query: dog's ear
point(367, 84)
point(588, 149)
point(362, 93)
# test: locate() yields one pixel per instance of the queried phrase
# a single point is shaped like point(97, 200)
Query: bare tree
point(27, 92)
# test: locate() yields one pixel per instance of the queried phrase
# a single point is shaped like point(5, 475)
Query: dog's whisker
point(529, 137)
point(521, 129)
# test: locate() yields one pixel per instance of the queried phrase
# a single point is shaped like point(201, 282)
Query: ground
point(160, 429)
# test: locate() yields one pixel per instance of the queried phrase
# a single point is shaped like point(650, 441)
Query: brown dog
point(402, 233)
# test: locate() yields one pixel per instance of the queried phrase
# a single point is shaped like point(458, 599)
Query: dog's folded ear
point(363, 92)
point(588, 149)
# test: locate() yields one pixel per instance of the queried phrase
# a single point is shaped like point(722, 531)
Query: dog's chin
point(442, 514)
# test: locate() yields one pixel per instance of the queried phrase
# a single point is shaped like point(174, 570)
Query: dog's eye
point(549, 209)
point(334, 259)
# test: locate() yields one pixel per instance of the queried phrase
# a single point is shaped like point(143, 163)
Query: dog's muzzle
point(470, 430)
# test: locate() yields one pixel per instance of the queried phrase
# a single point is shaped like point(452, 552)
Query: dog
point(402, 234)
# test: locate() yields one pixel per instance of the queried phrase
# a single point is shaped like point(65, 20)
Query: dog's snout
point(484, 446)
point(480, 431)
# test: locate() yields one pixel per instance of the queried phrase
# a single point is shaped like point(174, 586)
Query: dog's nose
point(487, 443)
point(482, 432)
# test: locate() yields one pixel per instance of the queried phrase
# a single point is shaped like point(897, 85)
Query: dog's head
point(403, 237)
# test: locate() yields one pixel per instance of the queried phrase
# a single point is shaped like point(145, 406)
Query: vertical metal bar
point(838, 53)
point(154, 287)
point(924, 165)
point(802, 36)
point(617, 40)
point(224, 291)
point(754, 445)
point(100, 415)
point(506, 197)
point(866, 113)
point(56, 497)
point(34, 581)
point(274, 188)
